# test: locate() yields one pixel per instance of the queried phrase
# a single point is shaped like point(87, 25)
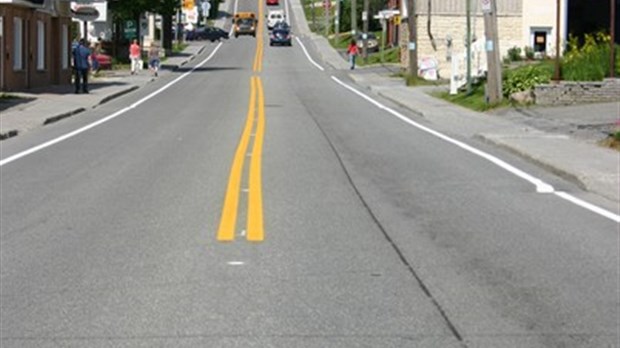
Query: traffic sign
point(486, 6)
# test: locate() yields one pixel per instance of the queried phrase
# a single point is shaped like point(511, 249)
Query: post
point(413, 38)
point(468, 46)
point(327, 7)
point(612, 44)
point(353, 17)
point(337, 23)
point(383, 35)
point(557, 74)
point(365, 37)
point(494, 74)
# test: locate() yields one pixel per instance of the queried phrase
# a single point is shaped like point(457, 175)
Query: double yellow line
point(255, 121)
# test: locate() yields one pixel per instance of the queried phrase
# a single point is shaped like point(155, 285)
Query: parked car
point(281, 37)
point(104, 61)
point(206, 33)
point(272, 2)
point(373, 43)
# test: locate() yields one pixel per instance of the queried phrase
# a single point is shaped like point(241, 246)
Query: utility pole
point(413, 38)
point(353, 17)
point(337, 22)
point(327, 8)
point(365, 33)
point(494, 73)
point(468, 46)
point(612, 44)
point(557, 74)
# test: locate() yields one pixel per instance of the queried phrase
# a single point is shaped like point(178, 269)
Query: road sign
point(486, 6)
point(130, 31)
point(397, 19)
point(188, 4)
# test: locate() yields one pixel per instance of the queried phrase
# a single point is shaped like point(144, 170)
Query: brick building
point(35, 43)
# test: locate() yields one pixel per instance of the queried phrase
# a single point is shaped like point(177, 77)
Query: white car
point(274, 17)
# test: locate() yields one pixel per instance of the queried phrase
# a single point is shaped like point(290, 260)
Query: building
point(521, 23)
point(35, 43)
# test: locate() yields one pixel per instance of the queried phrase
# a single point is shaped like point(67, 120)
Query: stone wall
point(567, 92)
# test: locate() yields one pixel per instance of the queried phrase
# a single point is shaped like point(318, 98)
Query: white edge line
point(105, 119)
point(308, 55)
point(589, 206)
point(541, 186)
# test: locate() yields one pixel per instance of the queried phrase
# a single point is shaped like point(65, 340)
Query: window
point(18, 46)
point(65, 47)
point(40, 45)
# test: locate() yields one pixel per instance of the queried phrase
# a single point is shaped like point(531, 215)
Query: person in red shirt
point(135, 55)
point(352, 52)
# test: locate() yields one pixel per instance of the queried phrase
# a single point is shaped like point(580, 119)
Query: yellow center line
point(255, 195)
point(226, 230)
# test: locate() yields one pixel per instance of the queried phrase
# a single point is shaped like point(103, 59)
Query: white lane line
point(541, 186)
point(308, 55)
point(107, 118)
point(236, 263)
point(589, 206)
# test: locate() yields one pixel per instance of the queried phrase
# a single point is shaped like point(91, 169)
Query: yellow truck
point(244, 23)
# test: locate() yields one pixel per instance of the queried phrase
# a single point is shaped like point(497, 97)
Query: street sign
point(130, 30)
point(486, 6)
point(397, 19)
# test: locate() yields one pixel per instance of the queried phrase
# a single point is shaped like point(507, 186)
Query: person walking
point(93, 57)
point(135, 55)
point(81, 65)
point(154, 58)
point(352, 51)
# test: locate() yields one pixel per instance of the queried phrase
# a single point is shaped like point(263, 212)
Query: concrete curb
point(117, 94)
point(63, 116)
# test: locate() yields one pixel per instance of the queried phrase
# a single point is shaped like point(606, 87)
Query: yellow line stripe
point(228, 220)
point(255, 226)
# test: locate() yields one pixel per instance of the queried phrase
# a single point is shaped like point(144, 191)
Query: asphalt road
point(374, 233)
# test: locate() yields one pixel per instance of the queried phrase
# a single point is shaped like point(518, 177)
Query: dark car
point(373, 43)
point(280, 36)
point(282, 25)
point(206, 33)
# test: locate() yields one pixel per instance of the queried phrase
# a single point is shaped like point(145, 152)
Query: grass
point(6, 96)
point(476, 100)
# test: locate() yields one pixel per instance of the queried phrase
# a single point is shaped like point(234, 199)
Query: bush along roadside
point(590, 61)
point(525, 78)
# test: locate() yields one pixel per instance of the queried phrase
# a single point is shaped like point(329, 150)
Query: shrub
point(525, 78)
point(529, 52)
point(590, 62)
point(514, 54)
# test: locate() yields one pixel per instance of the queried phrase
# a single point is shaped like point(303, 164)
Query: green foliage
point(514, 54)
point(587, 62)
point(525, 78)
point(529, 52)
point(476, 100)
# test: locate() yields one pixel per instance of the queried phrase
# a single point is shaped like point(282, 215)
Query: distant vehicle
point(282, 25)
point(244, 23)
point(373, 43)
point(272, 2)
point(275, 16)
point(280, 36)
point(207, 33)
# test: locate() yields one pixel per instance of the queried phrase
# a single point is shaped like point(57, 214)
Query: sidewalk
point(562, 139)
point(41, 106)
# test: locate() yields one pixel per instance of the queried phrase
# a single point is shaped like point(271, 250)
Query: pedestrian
point(81, 54)
point(93, 57)
point(135, 55)
point(154, 58)
point(352, 51)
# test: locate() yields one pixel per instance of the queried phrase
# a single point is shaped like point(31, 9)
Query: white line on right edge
point(541, 186)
